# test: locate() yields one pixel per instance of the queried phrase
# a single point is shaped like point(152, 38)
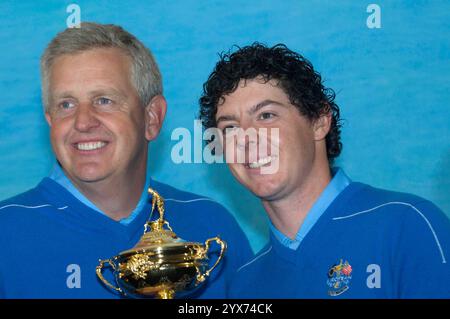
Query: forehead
point(251, 92)
point(105, 64)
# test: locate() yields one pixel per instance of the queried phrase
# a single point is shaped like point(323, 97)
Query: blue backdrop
point(392, 85)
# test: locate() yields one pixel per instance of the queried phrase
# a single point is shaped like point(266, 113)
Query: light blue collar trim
point(339, 182)
point(60, 177)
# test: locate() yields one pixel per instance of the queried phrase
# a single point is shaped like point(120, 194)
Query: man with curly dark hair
point(330, 236)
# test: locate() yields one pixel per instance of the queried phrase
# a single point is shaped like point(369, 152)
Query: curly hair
point(295, 76)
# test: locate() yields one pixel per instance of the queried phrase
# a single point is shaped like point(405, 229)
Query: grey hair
point(145, 74)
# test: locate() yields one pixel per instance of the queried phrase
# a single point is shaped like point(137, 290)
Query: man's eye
point(104, 101)
point(66, 105)
point(266, 116)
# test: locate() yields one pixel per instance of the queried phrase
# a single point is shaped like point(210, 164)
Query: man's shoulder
point(370, 199)
point(27, 200)
point(414, 226)
point(24, 209)
point(395, 213)
point(376, 195)
point(46, 196)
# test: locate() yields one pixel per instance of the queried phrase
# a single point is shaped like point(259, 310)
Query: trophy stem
point(166, 294)
point(158, 202)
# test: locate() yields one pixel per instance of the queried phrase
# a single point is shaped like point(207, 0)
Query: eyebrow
point(62, 95)
point(255, 108)
point(226, 118)
point(107, 91)
point(95, 92)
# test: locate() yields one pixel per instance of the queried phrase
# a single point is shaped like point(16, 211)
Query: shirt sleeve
point(423, 253)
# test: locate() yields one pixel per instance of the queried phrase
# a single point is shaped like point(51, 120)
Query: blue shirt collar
point(60, 177)
point(338, 183)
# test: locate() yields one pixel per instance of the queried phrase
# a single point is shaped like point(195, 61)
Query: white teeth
point(90, 146)
point(260, 162)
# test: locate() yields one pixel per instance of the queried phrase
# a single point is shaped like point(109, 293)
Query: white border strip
point(31, 207)
point(188, 201)
point(255, 259)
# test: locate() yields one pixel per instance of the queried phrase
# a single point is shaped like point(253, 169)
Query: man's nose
point(246, 140)
point(247, 136)
point(85, 118)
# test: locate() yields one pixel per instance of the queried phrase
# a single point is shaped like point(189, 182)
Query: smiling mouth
point(90, 146)
point(261, 162)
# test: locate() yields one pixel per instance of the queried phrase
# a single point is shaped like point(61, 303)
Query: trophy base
point(158, 292)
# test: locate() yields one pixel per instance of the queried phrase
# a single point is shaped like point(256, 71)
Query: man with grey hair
point(102, 96)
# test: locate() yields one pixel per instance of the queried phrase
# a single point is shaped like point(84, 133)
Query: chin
point(261, 186)
point(89, 176)
point(267, 195)
point(263, 190)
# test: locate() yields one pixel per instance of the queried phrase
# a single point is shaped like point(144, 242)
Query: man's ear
point(155, 112)
point(48, 119)
point(322, 126)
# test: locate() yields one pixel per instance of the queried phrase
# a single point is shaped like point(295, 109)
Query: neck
point(288, 212)
point(116, 197)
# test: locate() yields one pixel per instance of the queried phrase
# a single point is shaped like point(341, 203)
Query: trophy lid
point(158, 235)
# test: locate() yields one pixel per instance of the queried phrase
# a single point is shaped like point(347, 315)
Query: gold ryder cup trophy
point(161, 265)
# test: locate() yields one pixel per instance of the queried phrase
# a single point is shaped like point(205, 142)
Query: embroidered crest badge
point(339, 277)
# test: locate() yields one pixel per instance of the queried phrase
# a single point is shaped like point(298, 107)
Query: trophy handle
point(223, 247)
point(98, 270)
